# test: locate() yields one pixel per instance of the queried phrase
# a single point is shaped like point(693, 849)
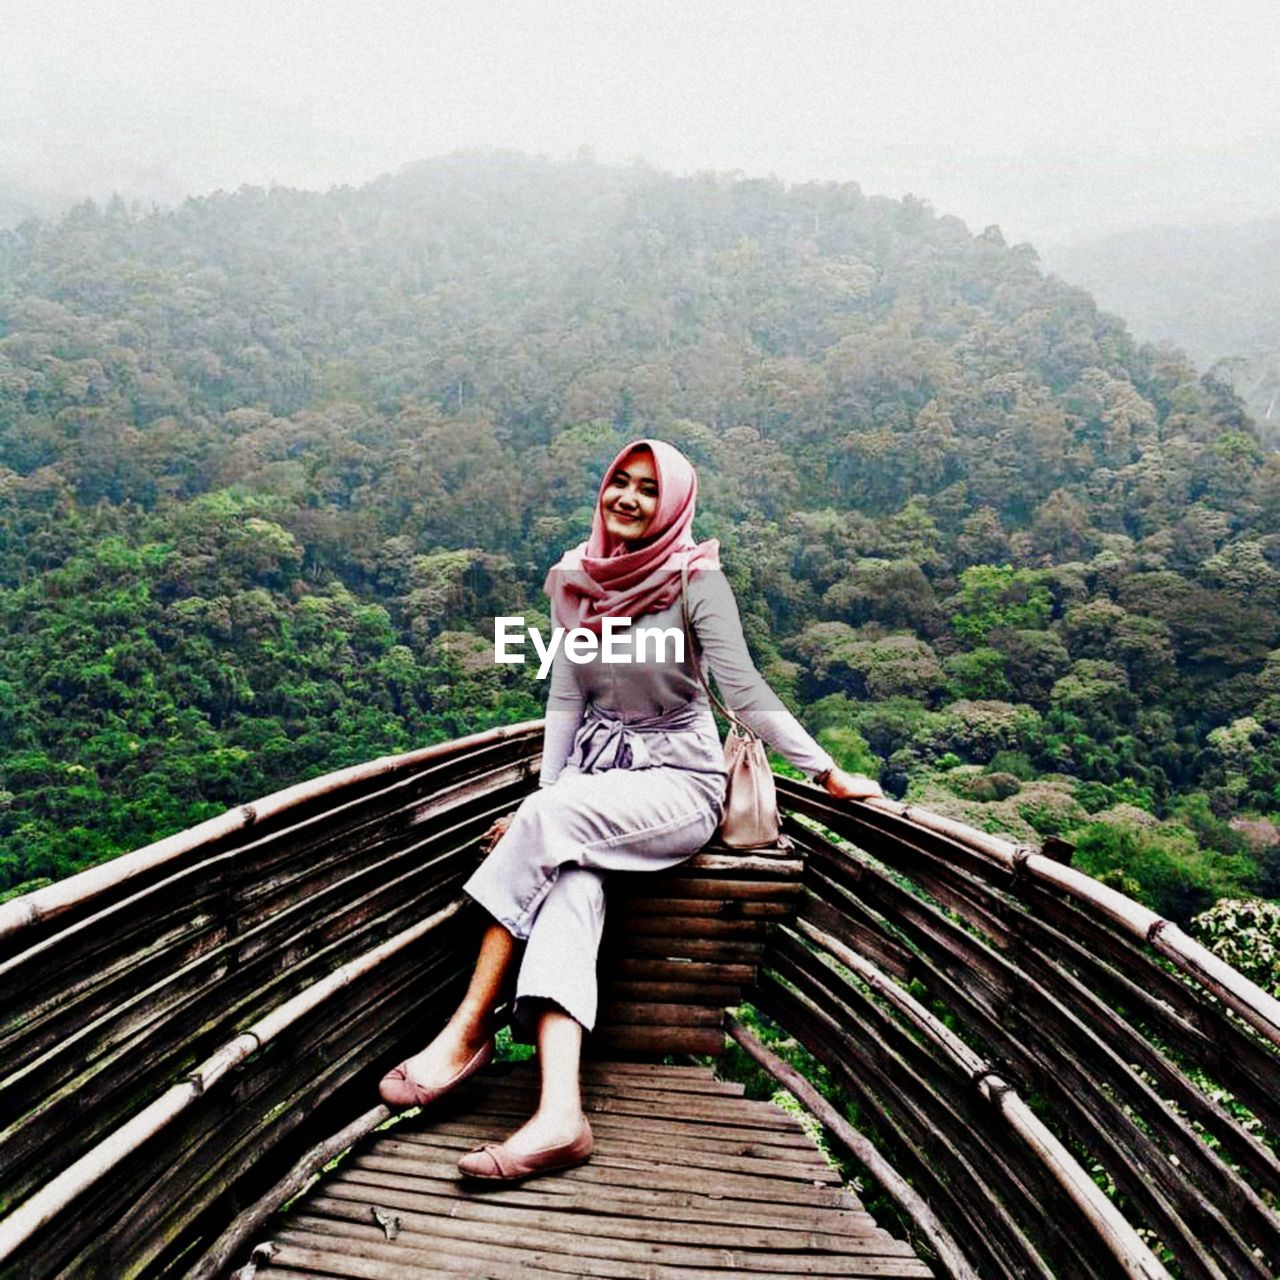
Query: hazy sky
point(1046, 117)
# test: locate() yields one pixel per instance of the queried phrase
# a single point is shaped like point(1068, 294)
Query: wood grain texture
point(639, 1208)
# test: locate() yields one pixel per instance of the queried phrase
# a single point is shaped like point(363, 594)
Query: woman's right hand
point(495, 833)
point(852, 786)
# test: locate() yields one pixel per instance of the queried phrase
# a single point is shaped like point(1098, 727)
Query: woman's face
point(630, 499)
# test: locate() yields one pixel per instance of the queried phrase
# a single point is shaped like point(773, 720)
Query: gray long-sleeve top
point(653, 710)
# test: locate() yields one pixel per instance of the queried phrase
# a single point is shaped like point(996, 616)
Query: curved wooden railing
point(1076, 1009)
point(182, 1023)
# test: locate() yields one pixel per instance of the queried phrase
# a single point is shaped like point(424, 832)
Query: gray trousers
point(543, 879)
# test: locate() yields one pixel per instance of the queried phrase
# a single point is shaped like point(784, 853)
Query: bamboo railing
point(183, 1025)
point(179, 1024)
point(1072, 1001)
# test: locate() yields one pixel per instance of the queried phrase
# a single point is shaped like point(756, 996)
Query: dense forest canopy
point(270, 463)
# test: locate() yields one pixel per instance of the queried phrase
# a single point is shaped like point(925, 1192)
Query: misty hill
point(270, 463)
point(20, 201)
point(1212, 290)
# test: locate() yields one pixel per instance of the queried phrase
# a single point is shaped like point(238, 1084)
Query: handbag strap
point(697, 657)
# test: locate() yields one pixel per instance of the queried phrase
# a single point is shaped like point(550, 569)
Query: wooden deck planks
point(689, 1181)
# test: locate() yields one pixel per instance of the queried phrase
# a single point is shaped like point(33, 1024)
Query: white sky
point(1049, 118)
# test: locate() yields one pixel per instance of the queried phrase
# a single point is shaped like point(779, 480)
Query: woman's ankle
point(473, 1025)
point(559, 1112)
point(545, 1128)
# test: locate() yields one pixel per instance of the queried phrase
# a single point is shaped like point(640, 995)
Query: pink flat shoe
point(397, 1089)
point(493, 1162)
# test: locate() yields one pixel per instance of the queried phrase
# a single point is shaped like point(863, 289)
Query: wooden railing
point(960, 988)
point(181, 1024)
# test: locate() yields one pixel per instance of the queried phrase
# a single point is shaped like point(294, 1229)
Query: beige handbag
point(751, 802)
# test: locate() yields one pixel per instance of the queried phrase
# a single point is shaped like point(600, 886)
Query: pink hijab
point(606, 577)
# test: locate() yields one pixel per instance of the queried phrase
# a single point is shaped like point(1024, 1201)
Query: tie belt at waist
point(603, 741)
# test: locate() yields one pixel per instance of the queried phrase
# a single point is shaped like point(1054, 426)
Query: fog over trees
point(1212, 290)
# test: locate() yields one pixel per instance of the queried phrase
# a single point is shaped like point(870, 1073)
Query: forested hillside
point(271, 462)
point(1212, 290)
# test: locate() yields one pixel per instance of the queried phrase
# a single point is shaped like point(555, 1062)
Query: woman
point(632, 779)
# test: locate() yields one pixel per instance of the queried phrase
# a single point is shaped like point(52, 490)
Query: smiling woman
point(633, 779)
point(630, 500)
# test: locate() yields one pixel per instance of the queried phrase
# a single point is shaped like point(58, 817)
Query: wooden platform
point(688, 1180)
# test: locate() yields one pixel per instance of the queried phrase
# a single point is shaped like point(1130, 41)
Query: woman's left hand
point(852, 786)
point(495, 833)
